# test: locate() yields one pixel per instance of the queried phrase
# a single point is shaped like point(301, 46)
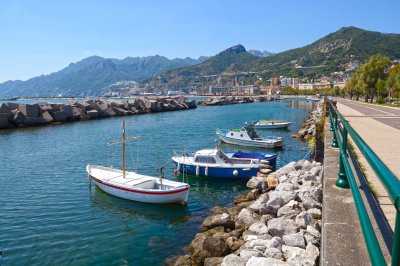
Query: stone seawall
point(268, 225)
point(13, 115)
point(227, 100)
point(308, 129)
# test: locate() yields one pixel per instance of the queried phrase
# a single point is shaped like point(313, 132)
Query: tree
point(373, 71)
point(392, 83)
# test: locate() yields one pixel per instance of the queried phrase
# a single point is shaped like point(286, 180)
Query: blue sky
point(40, 37)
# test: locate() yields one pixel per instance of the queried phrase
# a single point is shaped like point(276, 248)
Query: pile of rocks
point(266, 226)
point(22, 115)
point(307, 130)
point(227, 100)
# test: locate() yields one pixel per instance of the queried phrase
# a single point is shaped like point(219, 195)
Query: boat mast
point(123, 149)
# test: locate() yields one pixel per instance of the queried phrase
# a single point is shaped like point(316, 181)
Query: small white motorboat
point(271, 124)
point(312, 99)
point(134, 186)
point(247, 136)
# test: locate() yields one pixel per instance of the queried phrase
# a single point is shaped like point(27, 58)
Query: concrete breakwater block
point(47, 116)
point(18, 118)
point(92, 114)
point(5, 110)
point(4, 121)
point(35, 121)
point(43, 113)
point(31, 110)
point(59, 116)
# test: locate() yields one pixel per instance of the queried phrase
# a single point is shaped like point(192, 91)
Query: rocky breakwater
point(308, 129)
point(275, 223)
point(13, 115)
point(227, 100)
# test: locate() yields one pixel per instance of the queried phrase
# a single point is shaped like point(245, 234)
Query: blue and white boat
point(247, 136)
point(265, 158)
point(215, 163)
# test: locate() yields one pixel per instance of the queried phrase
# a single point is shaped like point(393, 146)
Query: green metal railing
point(346, 179)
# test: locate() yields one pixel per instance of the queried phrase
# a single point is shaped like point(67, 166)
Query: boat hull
point(218, 172)
point(167, 191)
point(270, 126)
point(146, 197)
point(252, 143)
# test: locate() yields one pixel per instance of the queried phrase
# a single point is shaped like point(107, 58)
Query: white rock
point(276, 200)
point(316, 194)
point(257, 182)
point(249, 237)
point(283, 178)
point(265, 218)
point(290, 210)
point(256, 261)
point(315, 213)
point(310, 203)
point(233, 260)
point(299, 256)
point(275, 242)
point(285, 187)
point(315, 170)
point(274, 253)
point(258, 228)
point(313, 231)
point(246, 217)
point(294, 240)
point(304, 219)
point(282, 226)
point(246, 254)
point(255, 206)
point(256, 242)
point(308, 176)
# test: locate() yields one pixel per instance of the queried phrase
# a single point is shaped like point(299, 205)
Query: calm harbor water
point(49, 216)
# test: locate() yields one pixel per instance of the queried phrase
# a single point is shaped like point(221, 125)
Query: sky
point(41, 37)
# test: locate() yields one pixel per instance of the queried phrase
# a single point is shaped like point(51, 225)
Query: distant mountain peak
point(236, 49)
point(259, 53)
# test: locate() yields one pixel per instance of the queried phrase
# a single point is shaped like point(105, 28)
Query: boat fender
point(206, 171)
point(179, 166)
point(197, 170)
point(235, 172)
point(176, 172)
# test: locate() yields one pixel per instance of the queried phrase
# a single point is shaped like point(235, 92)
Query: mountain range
point(91, 75)
point(330, 53)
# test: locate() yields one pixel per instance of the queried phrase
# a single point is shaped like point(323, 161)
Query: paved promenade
point(379, 126)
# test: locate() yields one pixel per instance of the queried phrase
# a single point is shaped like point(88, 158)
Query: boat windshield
point(251, 131)
point(204, 159)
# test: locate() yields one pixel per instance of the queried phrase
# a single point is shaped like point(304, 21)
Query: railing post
point(396, 241)
point(334, 140)
point(342, 181)
point(330, 119)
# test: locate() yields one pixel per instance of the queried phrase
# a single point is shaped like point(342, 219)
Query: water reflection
point(174, 213)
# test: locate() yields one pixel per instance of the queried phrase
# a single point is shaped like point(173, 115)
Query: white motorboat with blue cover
point(247, 136)
point(133, 186)
point(271, 124)
point(215, 163)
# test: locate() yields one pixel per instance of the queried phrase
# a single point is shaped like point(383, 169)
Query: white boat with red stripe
point(133, 186)
point(138, 187)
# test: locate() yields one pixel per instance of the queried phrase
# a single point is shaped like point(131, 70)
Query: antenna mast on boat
point(123, 149)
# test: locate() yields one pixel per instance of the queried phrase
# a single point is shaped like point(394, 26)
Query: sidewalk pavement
point(385, 142)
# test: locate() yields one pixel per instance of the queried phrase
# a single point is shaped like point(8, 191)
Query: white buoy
point(179, 166)
point(197, 170)
point(206, 171)
point(235, 172)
